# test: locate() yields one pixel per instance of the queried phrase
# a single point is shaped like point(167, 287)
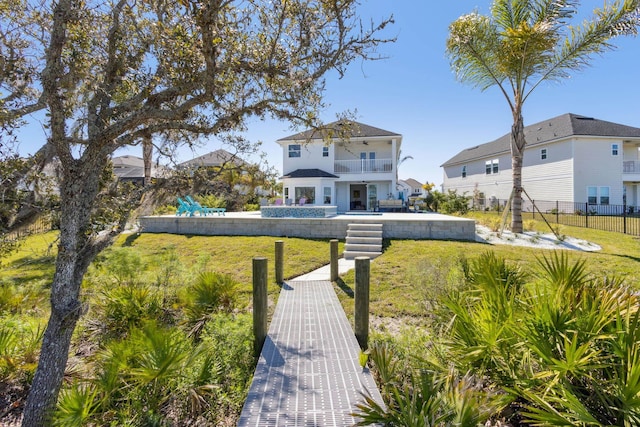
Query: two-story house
point(345, 164)
point(569, 158)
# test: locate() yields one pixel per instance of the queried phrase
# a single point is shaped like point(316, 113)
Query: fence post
point(586, 215)
point(333, 246)
point(361, 315)
point(279, 261)
point(259, 303)
point(557, 212)
point(533, 209)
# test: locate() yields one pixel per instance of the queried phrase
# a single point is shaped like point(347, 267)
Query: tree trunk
point(147, 154)
point(78, 191)
point(518, 143)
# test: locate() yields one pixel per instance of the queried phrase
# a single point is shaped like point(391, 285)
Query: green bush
point(165, 210)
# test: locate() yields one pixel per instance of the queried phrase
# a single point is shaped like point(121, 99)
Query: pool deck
point(417, 226)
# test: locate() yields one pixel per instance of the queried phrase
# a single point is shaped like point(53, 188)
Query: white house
point(569, 158)
point(411, 188)
point(346, 164)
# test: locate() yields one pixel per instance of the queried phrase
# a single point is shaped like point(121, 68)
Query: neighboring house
point(346, 164)
point(131, 169)
point(569, 158)
point(411, 188)
point(216, 159)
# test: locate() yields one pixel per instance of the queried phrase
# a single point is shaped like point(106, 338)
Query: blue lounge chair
point(204, 211)
point(184, 208)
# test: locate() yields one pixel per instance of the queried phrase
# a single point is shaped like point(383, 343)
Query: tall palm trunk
point(518, 143)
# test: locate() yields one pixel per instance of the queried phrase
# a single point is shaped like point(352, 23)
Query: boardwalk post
point(334, 260)
point(259, 303)
point(361, 315)
point(279, 261)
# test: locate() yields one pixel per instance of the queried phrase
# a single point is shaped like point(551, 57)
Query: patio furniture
point(184, 208)
point(302, 201)
point(197, 207)
point(278, 202)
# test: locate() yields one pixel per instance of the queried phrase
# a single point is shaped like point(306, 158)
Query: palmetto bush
point(557, 347)
point(210, 293)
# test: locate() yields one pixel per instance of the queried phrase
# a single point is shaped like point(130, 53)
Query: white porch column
point(394, 160)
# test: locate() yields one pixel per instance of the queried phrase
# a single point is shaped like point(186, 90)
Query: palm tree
point(523, 43)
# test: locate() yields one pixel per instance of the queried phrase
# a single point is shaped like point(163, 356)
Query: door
point(372, 197)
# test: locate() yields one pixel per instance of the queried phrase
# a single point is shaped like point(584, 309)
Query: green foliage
point(211, 201)
point(165, 210)
point(448, 203)
point(210, 293)
point(125, 307)
point(424, 397)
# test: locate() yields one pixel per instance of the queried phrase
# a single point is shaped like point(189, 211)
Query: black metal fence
point(617, 218)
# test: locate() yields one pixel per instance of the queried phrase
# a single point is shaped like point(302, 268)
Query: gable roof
point(214, 158)
point(412, 183)
point(309, 173)
point(556, 128)
point(341, 129)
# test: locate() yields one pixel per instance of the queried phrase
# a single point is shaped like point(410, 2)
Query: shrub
point(211, 292)
point(165, 210)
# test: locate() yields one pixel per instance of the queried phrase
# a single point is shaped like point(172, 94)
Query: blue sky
point(414, 92)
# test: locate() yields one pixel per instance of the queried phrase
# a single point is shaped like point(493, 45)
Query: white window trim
point(616, 149)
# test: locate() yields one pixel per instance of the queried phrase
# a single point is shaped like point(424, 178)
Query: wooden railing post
point(279, 261)
point(334, 259)
point(361, 315)
point(259, 303)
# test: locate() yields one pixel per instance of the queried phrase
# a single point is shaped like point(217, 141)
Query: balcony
point(631, 166)
point(363, 166)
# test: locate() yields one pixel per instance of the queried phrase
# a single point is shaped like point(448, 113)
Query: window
point(543, 154)
point(294, 150)
point(286, 193)
point(464, 171)
point(327, 195)
point(325, 151)
point(604, 195)
point(491, 166)
point(308, 193)
point(615, 149)
point(592, 195)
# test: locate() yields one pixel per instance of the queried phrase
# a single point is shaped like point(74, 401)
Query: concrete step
point(364, 233)
point(358, 247)
point(354, 254)
point(364, 240)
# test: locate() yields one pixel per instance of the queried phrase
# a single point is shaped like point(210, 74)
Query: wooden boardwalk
point(308, 374)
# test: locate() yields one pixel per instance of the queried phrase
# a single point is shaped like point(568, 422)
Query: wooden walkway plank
point(308, 374)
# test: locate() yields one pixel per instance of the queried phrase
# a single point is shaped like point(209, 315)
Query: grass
point(407, 273)
point(404, 280)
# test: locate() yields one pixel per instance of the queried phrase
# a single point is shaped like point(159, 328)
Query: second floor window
point(294, 150)
point(491, 166)
point(543, 154)
point(614, 149)
point(464, 171)
point(325, 151)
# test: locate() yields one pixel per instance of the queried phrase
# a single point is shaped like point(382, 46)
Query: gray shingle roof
point(340, 129)
point(559, 127)
point(309, 173)
point(214, 158)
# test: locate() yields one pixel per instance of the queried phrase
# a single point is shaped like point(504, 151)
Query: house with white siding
point(346, 164)
point(569, 158)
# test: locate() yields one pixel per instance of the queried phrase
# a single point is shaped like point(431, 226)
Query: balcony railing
point(363, 166)
point(631, 166)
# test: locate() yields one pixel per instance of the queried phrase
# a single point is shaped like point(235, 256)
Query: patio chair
point(197, 207)
point(184, 208)
point(302, 201)
point(278, 202)
point(288, 202)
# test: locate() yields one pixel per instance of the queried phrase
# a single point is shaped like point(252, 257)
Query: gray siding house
point(569, 158)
